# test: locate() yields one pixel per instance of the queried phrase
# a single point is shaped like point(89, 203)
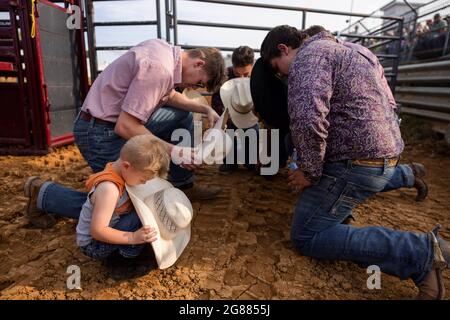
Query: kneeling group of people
point(333, 106)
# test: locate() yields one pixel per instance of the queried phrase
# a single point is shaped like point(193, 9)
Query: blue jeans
point(317, 230)
point(99, 144)
point(100, 250)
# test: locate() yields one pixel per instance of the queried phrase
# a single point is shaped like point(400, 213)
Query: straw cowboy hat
point(196, 96)
point(236, 97)
point(168, 210)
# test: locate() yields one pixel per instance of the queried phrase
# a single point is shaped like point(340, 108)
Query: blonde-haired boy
point(99, 233)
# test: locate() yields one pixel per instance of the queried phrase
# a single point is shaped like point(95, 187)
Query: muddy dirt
point(240, 247)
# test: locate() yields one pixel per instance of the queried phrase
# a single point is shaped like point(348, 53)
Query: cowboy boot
point(432, 287)
point(419, 184)
point(36, 217)
point(195, 192)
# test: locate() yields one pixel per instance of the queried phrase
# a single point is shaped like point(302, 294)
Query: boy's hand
point(145, 234)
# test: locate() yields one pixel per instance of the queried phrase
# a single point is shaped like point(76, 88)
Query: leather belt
point(392, 162)
point(88, 117)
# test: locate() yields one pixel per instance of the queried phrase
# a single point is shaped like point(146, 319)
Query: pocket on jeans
point(346, 202)
point(82, 142)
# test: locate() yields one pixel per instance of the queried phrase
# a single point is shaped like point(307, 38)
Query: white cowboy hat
point(216, 143)
point(237, 98)
point(168, 210)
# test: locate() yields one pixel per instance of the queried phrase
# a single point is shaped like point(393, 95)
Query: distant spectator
point(420, 30)
point(439, 25)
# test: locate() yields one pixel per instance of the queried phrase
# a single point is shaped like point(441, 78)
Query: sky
point(192, 35)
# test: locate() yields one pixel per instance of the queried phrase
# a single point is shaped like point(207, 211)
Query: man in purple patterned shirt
point(346, 133)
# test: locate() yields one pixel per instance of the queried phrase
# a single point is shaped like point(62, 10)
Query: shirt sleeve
point(310, 91)
point(150, 84)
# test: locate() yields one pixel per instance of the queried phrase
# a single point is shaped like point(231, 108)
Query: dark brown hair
point(313, 30)
point(284, 34)
point(214, 66)
point(243, 56)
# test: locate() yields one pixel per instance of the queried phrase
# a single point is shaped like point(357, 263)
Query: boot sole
point(426, 194)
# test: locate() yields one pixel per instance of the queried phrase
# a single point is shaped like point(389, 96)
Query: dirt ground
point(240, 247)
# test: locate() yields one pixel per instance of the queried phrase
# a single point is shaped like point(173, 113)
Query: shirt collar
point(177, 71)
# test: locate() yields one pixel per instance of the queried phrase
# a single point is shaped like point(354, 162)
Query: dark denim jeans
point(100, 250)
point(99, 144)
point(317, 230)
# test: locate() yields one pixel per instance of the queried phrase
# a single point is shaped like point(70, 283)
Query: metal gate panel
point(14, 122)
point(61, 70)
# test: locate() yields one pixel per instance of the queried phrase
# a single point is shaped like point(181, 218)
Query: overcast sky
point(188, 10)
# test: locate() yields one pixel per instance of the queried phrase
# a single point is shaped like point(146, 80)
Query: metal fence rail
point(424, 90)
point(92, 24)
point(173, 24)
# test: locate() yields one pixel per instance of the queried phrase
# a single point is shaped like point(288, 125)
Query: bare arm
point(128, 126)
point(104, 200)
point(179, 101)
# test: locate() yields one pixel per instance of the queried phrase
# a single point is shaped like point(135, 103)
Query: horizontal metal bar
point(125, 23)
point(435, 91)
point(289, 8)
point(359, 36)
point(427, 114)
point(425, 66)
point(114, 0)
point(424, 104)
point(110, 48)
point(387, 56)
point(6, 33)
point(423, 79)
point(221, 25)
point(379, 44)
point(8, 73)
point(220, 48)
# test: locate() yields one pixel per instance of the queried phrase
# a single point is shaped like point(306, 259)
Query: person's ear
point(199, 63)
point(284, 49)
point(126, 165)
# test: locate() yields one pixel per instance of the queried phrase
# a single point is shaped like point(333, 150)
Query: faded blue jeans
point(100, 250)
point(317, 230)
point(99, 144)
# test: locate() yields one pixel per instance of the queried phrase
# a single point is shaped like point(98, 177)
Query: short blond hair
point(214, 66)
point(147, 154)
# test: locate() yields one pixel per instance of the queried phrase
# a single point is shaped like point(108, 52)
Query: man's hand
point(186, 157)
point(297, 181)
point(213, 117)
